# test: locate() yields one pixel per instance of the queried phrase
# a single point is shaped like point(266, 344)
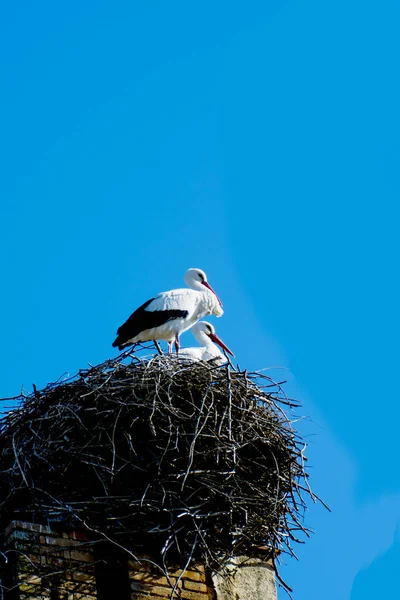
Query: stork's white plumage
point(169, 314)
point(204, 333)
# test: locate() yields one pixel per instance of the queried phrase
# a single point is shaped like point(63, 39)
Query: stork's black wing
point(143, 319)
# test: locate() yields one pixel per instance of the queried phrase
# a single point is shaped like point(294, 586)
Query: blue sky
point(258, 141)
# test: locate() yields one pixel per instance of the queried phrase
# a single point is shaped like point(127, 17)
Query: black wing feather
point(143, 319)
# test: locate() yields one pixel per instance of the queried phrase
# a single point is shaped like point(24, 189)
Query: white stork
point(204, 333)
point(169, 314)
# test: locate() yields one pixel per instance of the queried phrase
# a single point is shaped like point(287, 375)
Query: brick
point(33, 579)
point(83, 556)
point(140, 575)
point(198, 568)
point(189, 595)
point(55, 561)
point(26, 569)
point(35, 558)
point(78, 589)
point(13, 525)
point(25, 562)
point(21, 535)
point(26, 548)
point(86, 577)
point(79, 586)
point(190, 574)
point(194, 576)
point(142, 595)
point(152, 590)
point(139, 565)
point(56, 541)
point(151, 579)
point(195, 586)
point(78, 535)
point(54, 551)
point(24, 587)
point(34, 527)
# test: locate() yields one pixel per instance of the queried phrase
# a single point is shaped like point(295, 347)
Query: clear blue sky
point(258, 141)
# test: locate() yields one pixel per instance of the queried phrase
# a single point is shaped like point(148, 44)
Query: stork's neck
point(203, 339)
point(198, 286)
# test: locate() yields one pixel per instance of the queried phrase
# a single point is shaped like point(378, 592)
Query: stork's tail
point(117, 344)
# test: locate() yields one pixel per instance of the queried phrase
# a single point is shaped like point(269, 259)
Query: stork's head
point(206, 328)
point(197, 280)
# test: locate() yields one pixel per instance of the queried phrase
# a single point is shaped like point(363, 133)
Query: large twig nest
point(176, 459)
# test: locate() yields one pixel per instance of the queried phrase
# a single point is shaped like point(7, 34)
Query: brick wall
point(39, 563)
point(47, 565)
point(145, 584)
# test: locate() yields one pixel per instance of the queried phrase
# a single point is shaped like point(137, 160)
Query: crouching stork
point(205, 334)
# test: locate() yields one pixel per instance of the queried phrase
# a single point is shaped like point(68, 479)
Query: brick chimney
point(42, 563)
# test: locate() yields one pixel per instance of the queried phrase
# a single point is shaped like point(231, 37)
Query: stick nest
point(173, 458)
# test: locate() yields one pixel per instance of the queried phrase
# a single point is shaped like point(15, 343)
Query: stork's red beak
point(211, 290)
point(216, 339)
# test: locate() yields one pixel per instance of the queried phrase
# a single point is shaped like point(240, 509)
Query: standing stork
point(204, 333)
point(169, 314)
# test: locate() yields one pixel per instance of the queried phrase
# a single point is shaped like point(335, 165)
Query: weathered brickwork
point(191, 584)
point(43, 564)
point(48, 565)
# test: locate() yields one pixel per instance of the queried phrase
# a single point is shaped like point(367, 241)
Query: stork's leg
point(177, 344)
point(169, 347)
